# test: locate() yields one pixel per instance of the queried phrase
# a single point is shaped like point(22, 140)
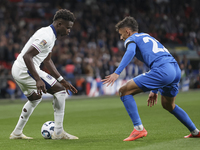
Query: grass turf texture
point(101, 124)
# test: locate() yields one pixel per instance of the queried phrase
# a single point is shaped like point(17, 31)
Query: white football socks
point(195, 132)
point(59, 108)
point(139, 128)
point(26, 112)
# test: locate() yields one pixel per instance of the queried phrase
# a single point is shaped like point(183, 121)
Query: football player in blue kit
point(164, 76)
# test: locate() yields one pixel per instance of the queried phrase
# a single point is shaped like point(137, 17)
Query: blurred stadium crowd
point(93, 48)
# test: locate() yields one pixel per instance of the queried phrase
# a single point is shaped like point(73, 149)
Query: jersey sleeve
point(41, 42)
point(128, 56)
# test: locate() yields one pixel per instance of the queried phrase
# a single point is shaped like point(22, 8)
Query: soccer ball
point(47, 129)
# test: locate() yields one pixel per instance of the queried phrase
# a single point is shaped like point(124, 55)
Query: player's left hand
point(153, 97)
point(110, 79)
point(68, 86)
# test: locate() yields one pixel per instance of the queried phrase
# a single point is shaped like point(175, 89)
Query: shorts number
point(155, 48)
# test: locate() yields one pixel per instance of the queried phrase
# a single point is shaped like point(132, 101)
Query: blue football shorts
point(164, 78)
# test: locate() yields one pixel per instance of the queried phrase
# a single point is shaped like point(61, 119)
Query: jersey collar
point(54, 30)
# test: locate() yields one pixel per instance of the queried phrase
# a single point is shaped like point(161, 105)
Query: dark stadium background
point(93, 49)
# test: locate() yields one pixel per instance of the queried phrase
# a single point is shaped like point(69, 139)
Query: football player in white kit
point(33, 81)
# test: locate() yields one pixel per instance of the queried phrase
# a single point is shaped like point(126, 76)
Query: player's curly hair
point(129, 22)
point(65, 15)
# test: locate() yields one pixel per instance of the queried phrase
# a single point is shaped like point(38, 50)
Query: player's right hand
point(41, 87)
point(110, 79)
point(153, 97)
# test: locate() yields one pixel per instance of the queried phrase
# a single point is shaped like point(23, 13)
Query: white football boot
point(21, 136)
point(64, 135)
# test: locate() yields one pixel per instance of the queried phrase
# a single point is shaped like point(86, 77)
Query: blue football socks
point(131, 108)
point(182, 116)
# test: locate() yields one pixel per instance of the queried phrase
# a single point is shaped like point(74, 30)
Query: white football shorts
point(27, 83)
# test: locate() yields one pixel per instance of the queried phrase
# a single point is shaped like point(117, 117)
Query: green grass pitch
point(102, 123)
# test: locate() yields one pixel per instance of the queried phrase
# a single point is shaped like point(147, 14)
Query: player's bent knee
point(56, 88)
point(130, 88)
point(122, 91)
point(33, 97)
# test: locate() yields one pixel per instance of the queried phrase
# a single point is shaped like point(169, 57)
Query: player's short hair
point(129, 22)
point(65, 15)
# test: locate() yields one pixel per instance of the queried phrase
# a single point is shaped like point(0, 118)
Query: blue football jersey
point(145, 48)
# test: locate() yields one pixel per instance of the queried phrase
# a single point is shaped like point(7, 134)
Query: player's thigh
point(26, 83)
point(130, 88)
point(28, 92)
point(51, 83)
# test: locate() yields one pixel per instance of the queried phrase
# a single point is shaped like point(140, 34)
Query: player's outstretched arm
point(152, 99)
point(128, 56)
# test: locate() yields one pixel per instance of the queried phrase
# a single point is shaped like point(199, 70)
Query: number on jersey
point(155, 48)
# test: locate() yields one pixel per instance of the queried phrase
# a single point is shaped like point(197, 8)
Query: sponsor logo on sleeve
point(43, 43)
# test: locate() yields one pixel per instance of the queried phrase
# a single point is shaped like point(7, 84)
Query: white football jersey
point(43, 40)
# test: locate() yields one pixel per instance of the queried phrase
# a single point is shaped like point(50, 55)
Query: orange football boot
point(192, 136)
point(136, 135)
